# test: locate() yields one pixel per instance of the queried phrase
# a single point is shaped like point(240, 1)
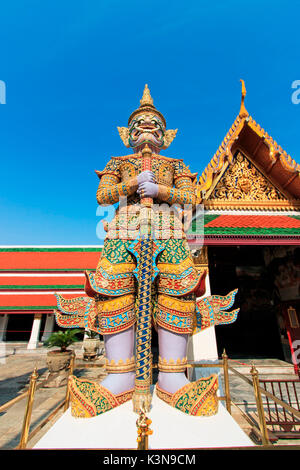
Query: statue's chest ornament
point(128, 170)
point(163, 171)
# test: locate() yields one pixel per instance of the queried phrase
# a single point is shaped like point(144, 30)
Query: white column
point(85, 336)
point(3, 326)
point(35, 331)
point(49, 325)
point(202, 347)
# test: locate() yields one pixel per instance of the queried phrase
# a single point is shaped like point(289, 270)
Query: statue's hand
point(146, 177)
point(148, 190)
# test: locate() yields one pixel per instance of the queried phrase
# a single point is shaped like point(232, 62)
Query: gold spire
point(146, 98)
point(243, 111)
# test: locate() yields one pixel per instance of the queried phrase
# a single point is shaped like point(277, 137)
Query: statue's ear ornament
point(124, 134)
point(169, 136)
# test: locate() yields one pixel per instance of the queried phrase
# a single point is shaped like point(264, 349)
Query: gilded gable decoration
point(242, 181)
point(271, 180)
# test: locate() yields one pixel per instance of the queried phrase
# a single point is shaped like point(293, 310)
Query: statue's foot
point(197, 398)
point(171, 382)
point(119, 383)
point(89, 399)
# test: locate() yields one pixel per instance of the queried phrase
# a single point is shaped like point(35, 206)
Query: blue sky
point(75, 70)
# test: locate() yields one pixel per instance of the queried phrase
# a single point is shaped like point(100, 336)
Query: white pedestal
point(172, 429)
point(202, 347)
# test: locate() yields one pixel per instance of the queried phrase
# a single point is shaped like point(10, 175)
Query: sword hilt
point(146, 165)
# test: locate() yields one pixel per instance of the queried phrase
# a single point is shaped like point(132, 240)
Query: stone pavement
point(17, 364)
point(15, 370)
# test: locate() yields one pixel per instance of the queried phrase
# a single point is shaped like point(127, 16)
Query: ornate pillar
point(202, 347)
point(3, 326)
point(49, 325)
point(35, 331)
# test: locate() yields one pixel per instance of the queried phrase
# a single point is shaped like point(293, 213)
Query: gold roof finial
point(146, 98)
point(243, 111)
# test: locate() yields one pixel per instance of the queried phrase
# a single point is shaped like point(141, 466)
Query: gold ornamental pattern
point(242, 181)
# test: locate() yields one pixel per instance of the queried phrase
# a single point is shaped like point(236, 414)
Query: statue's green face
point(146, 128)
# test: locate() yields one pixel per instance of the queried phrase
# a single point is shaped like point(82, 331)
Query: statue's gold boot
point(89, 398)
point(197, 398)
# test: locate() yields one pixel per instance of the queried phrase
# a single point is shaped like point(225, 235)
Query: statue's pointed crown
point(146, 98)
point(146, 105)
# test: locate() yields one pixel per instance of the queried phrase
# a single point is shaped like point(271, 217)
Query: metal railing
point(284, 423)
point(25, 435)
point(259, 392)
point(15, 400)
point(219, 365)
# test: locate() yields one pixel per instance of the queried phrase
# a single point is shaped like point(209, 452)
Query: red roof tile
point(257, 221)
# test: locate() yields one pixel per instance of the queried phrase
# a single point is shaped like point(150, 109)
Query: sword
point(142, 396)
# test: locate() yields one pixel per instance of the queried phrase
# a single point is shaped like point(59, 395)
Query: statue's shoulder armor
point(123, 158)
point(182, 170)
point(112, 168)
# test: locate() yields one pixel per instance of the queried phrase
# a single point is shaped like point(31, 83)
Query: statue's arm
point(111, 186)
point(184, 190)
point(110, 189)
point(182, 193)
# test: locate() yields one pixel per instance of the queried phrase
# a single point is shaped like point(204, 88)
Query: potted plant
point(58, 361)
point(91, 345)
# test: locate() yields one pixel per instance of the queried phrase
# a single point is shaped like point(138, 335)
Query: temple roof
point(252, 224)
point(30, 276)
point(246, 228)
point(248, 137)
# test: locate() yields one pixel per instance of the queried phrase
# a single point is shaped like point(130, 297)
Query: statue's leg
point(118, 347)
point(175, 311)
point(174, 324)
point(114, 286)
point(172, 346)
point(110, 312)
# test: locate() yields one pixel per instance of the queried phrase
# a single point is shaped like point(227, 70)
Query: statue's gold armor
point(119, 179)
point(114, 283)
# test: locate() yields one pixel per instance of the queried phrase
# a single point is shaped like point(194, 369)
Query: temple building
point(249, 240)
point(30, 276)
point(251, 198)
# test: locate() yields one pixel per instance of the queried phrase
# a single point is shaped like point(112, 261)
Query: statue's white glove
point(148, 190)
point(146, 177)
